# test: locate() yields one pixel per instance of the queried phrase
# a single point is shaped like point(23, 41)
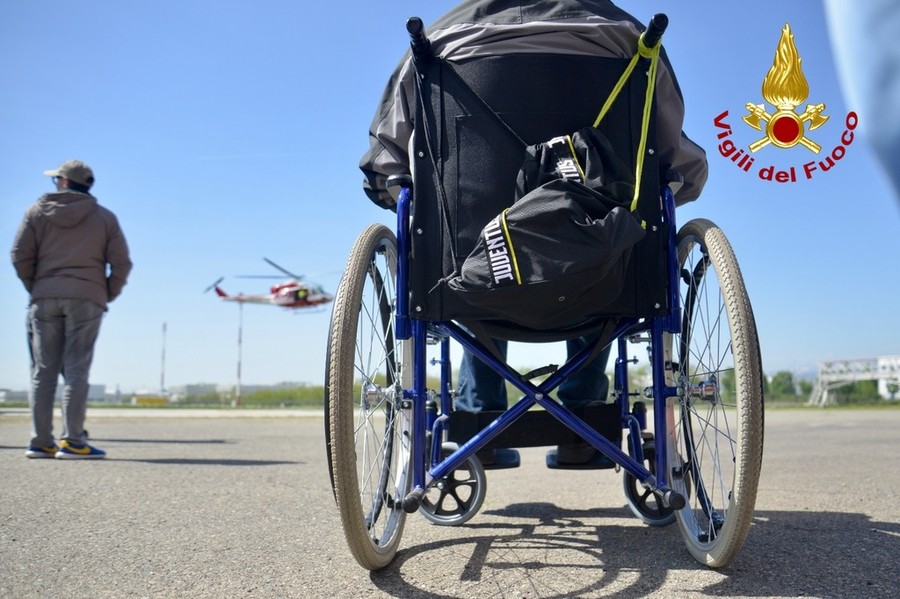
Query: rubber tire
point(715, 446)
point(367, 438)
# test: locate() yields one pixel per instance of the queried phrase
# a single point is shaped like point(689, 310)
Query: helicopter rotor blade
point(284, 270)
point(214, 285)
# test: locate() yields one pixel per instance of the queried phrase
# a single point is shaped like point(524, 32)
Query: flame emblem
point(785, 87)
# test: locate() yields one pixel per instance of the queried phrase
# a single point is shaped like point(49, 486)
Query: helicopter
point(293, 293)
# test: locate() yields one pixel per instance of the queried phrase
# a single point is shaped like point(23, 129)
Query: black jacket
point(496, 27)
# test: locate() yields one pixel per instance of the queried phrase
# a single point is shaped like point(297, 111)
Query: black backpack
point(560, 251)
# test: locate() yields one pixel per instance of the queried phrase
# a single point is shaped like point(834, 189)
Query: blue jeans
point(61, 336)
point(480, 388)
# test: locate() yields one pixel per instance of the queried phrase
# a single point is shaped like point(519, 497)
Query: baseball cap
point(75, 171)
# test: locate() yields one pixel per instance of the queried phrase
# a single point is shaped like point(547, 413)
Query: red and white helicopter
point(293, 293)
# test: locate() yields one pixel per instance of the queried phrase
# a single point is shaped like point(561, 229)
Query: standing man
point(61, 253)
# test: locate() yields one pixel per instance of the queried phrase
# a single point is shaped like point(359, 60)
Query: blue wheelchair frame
point(696, 468)
point(419, 330)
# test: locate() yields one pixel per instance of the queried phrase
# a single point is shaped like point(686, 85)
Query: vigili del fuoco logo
point(783, 127)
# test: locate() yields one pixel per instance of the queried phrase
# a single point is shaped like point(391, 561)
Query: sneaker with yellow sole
point(78, 451)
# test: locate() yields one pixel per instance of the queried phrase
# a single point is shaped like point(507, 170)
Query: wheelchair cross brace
point(419, 330)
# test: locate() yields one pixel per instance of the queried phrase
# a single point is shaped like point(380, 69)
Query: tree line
point(780, 387)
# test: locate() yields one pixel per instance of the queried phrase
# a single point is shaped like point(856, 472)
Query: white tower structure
point(839, 373)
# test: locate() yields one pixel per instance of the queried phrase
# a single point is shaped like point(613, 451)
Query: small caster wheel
point(454, 499)
point(643, 502)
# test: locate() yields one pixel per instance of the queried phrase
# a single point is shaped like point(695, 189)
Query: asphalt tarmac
point(238, 504)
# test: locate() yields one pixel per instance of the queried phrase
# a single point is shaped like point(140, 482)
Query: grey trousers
point(61, 337)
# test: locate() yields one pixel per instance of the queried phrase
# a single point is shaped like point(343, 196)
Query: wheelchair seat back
point(466, 163)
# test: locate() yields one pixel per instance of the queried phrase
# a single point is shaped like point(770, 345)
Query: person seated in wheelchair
point(563, 28)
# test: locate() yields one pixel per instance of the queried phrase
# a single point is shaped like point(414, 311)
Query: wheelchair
point(689, 445)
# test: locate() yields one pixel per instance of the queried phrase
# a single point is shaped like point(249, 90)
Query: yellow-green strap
point(645, 121)
point(575, 158)
point(509, 244)
point(618, 87)
point(642, 52)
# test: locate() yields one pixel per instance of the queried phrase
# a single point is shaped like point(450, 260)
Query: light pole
point(162, 370)
point(237, 395)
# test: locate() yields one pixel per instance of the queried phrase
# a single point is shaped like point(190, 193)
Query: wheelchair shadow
point(540, 550)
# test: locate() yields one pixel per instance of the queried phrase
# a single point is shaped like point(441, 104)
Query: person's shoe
point(42, 452)
point(576, 453)
point(499, 458)
point(78, 451)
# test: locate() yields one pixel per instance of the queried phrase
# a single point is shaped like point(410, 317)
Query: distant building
point(888, 376)
point(95, 393)
point(201, 389)
point(7, 395)
point(150, 399)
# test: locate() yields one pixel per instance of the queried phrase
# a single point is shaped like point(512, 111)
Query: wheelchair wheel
point(716, 423)
point(457, 497)
point(642, 502)
point(366, 427)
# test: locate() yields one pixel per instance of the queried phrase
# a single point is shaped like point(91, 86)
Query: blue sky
point(224, 131)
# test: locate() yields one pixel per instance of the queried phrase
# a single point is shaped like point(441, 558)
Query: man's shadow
point(193, 461)
point(181, 461)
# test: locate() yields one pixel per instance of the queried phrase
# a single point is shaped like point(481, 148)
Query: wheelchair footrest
point(597, 462)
